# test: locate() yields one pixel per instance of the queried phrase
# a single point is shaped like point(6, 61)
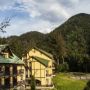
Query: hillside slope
point(76, 33)
point(70, 41)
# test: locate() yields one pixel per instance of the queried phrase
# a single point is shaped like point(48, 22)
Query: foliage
point(87, 86)
point(76, 34)
point(63, 67)
point(4, 24)
point(33, 84)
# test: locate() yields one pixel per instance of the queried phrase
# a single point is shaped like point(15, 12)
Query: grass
point(64, 81)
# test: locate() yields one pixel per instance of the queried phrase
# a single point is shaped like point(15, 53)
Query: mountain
point(76, 37)
point(76, 33)
point(69, 41)
point(81, 20)
point(20, 44)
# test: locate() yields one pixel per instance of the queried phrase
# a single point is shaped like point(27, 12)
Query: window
point(47, 73)
point(21, 71)
point(5, 54)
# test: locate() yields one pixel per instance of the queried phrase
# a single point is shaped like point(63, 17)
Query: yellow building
point(12, 70)
point(40, 64)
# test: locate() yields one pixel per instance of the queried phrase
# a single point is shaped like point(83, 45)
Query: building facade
point(15, 72)
point(39, 64)
point(12, 69)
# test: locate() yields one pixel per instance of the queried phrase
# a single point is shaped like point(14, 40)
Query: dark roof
point(41, 60)
point(44, 52)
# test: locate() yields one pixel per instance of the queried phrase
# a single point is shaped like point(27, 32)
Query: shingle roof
point(12, 60)
point(41, 60)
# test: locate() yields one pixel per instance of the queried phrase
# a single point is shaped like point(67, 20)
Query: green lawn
point(64, 81)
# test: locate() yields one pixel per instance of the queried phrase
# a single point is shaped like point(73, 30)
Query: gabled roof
point(12, 60)
point(41, 60)
point(44, 52)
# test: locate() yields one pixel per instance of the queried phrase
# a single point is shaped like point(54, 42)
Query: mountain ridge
point(74, 32)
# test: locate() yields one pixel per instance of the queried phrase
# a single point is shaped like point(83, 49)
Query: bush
point(33, 84)
point(63, 67)
point(87, 86)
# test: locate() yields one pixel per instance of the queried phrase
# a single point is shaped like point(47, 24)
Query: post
point(2, 82)
point(11, 82)
point(3, 79)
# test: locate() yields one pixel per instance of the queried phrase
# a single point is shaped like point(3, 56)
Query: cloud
point(23, 26)
point(6, 4)
point(38, 8)
point(40, 15)
point(74, 1)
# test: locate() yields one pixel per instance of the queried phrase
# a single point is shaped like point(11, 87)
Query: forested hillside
point(70, 42)
point(76, 37)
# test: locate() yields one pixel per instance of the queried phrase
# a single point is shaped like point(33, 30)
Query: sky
point(39, 15)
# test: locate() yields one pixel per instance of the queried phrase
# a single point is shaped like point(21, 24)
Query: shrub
point(63, 67)
point(33, 84)
point(87, 86)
